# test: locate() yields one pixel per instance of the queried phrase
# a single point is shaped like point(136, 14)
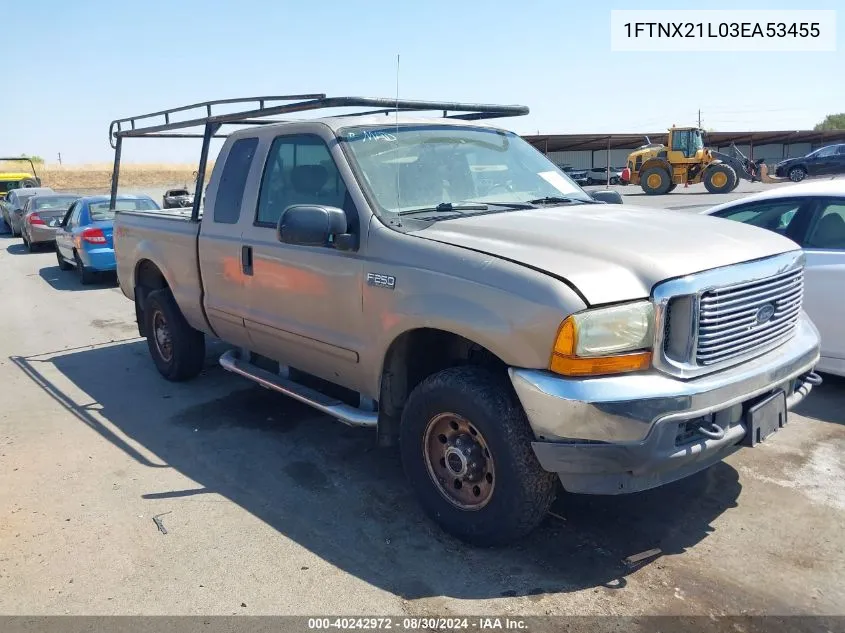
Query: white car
point(813, 215)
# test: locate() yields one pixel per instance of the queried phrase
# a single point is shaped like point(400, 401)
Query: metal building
point(587, 151)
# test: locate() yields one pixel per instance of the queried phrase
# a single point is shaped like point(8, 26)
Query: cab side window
point(300, 170)
point(828, 231)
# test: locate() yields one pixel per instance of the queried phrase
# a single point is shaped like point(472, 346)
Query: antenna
point(398, 163)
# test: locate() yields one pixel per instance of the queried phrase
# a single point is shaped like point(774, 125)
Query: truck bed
point(166, 239)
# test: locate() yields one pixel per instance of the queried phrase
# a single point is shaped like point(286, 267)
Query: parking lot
point(271, 508)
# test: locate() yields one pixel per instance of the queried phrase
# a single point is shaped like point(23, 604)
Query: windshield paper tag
point(557, 181)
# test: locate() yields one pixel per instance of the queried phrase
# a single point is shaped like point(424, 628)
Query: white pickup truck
point(455, 291)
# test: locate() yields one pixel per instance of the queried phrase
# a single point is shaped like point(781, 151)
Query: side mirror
point(311, 225)
point(608, 196)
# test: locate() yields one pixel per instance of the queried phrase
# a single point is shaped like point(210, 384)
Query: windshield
point(420, 166)
point(100, 210)
point(53, 202)
point(178, 192)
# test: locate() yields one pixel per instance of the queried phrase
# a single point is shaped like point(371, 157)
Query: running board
point(231, 361)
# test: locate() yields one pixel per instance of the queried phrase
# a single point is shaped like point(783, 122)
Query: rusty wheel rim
point(459, 461)
point(161, 334)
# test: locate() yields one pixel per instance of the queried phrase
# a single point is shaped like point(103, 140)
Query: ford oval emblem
point(765, 313)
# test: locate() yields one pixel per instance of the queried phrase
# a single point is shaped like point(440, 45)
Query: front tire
point(720, 178)
point(178, 350)
point(797, 174)
point(466, 450)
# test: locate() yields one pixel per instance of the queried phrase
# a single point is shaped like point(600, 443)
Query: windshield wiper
point(509, 205)
point(559, 200)
point(446, 207)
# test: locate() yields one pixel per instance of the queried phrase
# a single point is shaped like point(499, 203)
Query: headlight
point(605, 341)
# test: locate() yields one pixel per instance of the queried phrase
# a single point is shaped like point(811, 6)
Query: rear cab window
point(230, 190)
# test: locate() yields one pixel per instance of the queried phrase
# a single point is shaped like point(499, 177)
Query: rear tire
point(28, 244)
point(86, 276)
point(504, 493)
point(63, 265)
point(178, 350)
point(655, 181)
point(720, 178)
point(671, 188)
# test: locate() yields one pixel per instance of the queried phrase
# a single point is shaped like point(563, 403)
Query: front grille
point(737, 320)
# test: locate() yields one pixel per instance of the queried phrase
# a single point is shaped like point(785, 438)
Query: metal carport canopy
point(592, 142)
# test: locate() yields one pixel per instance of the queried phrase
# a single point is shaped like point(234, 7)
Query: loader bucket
point(764, 175)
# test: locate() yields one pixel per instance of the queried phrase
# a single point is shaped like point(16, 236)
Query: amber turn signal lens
point(572, 366)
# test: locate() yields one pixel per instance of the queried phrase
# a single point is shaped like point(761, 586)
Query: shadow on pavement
point(17, 248)
point(826, 402)
point(68, 279)
point(329, 489)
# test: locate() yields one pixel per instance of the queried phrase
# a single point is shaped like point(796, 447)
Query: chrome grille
point(730, 319)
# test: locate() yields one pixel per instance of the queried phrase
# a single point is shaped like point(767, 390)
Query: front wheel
point(797, 174)
point(720, 178)
point(466, 450)
point(178, 350)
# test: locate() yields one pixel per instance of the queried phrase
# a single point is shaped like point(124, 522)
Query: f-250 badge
point(381, 281)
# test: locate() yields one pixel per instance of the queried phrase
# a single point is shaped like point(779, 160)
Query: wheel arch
point(147, 277)
point(415, 354)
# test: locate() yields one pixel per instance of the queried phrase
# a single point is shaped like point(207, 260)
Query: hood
point(611, 252)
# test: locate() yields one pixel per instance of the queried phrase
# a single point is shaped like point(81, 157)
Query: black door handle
point(246, 259)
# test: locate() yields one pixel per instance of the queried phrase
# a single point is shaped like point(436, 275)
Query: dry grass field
point(97, 176)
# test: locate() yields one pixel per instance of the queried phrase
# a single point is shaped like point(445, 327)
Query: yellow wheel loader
point(658, 168)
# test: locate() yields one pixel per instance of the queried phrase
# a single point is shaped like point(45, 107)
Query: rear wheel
point(86, 275)
point(720, 178)
point(63, 265)
point(466, 450)
point(655, 181)
point(27, 243)
point(178, 350)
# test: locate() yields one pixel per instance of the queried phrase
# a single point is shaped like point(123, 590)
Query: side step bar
point(231, 361)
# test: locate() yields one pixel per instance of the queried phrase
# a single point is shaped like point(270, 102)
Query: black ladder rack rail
point(269, 106)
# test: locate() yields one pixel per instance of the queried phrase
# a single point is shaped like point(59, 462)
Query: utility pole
point(699, 119)
point(60, 158)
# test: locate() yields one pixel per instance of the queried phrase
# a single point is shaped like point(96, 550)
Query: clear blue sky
point(87, 62)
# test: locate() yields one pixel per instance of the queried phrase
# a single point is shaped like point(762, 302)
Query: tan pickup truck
point(455, 291)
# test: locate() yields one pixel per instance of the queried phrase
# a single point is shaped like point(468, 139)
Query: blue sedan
point(84, 238)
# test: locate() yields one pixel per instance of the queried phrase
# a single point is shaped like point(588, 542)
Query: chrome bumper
point(621, 431)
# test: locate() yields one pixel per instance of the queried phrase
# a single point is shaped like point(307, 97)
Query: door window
point(828, 232)
point(74, 217)
point(230, 191)
point(777, 216)
point(299, 170)
point(825, 152)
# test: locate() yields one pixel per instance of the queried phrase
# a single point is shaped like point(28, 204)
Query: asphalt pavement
point(271, 508)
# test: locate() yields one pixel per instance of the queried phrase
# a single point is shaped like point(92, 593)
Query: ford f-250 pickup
point(440, 280)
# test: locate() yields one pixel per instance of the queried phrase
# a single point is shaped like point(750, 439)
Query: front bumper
point(621, 434)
